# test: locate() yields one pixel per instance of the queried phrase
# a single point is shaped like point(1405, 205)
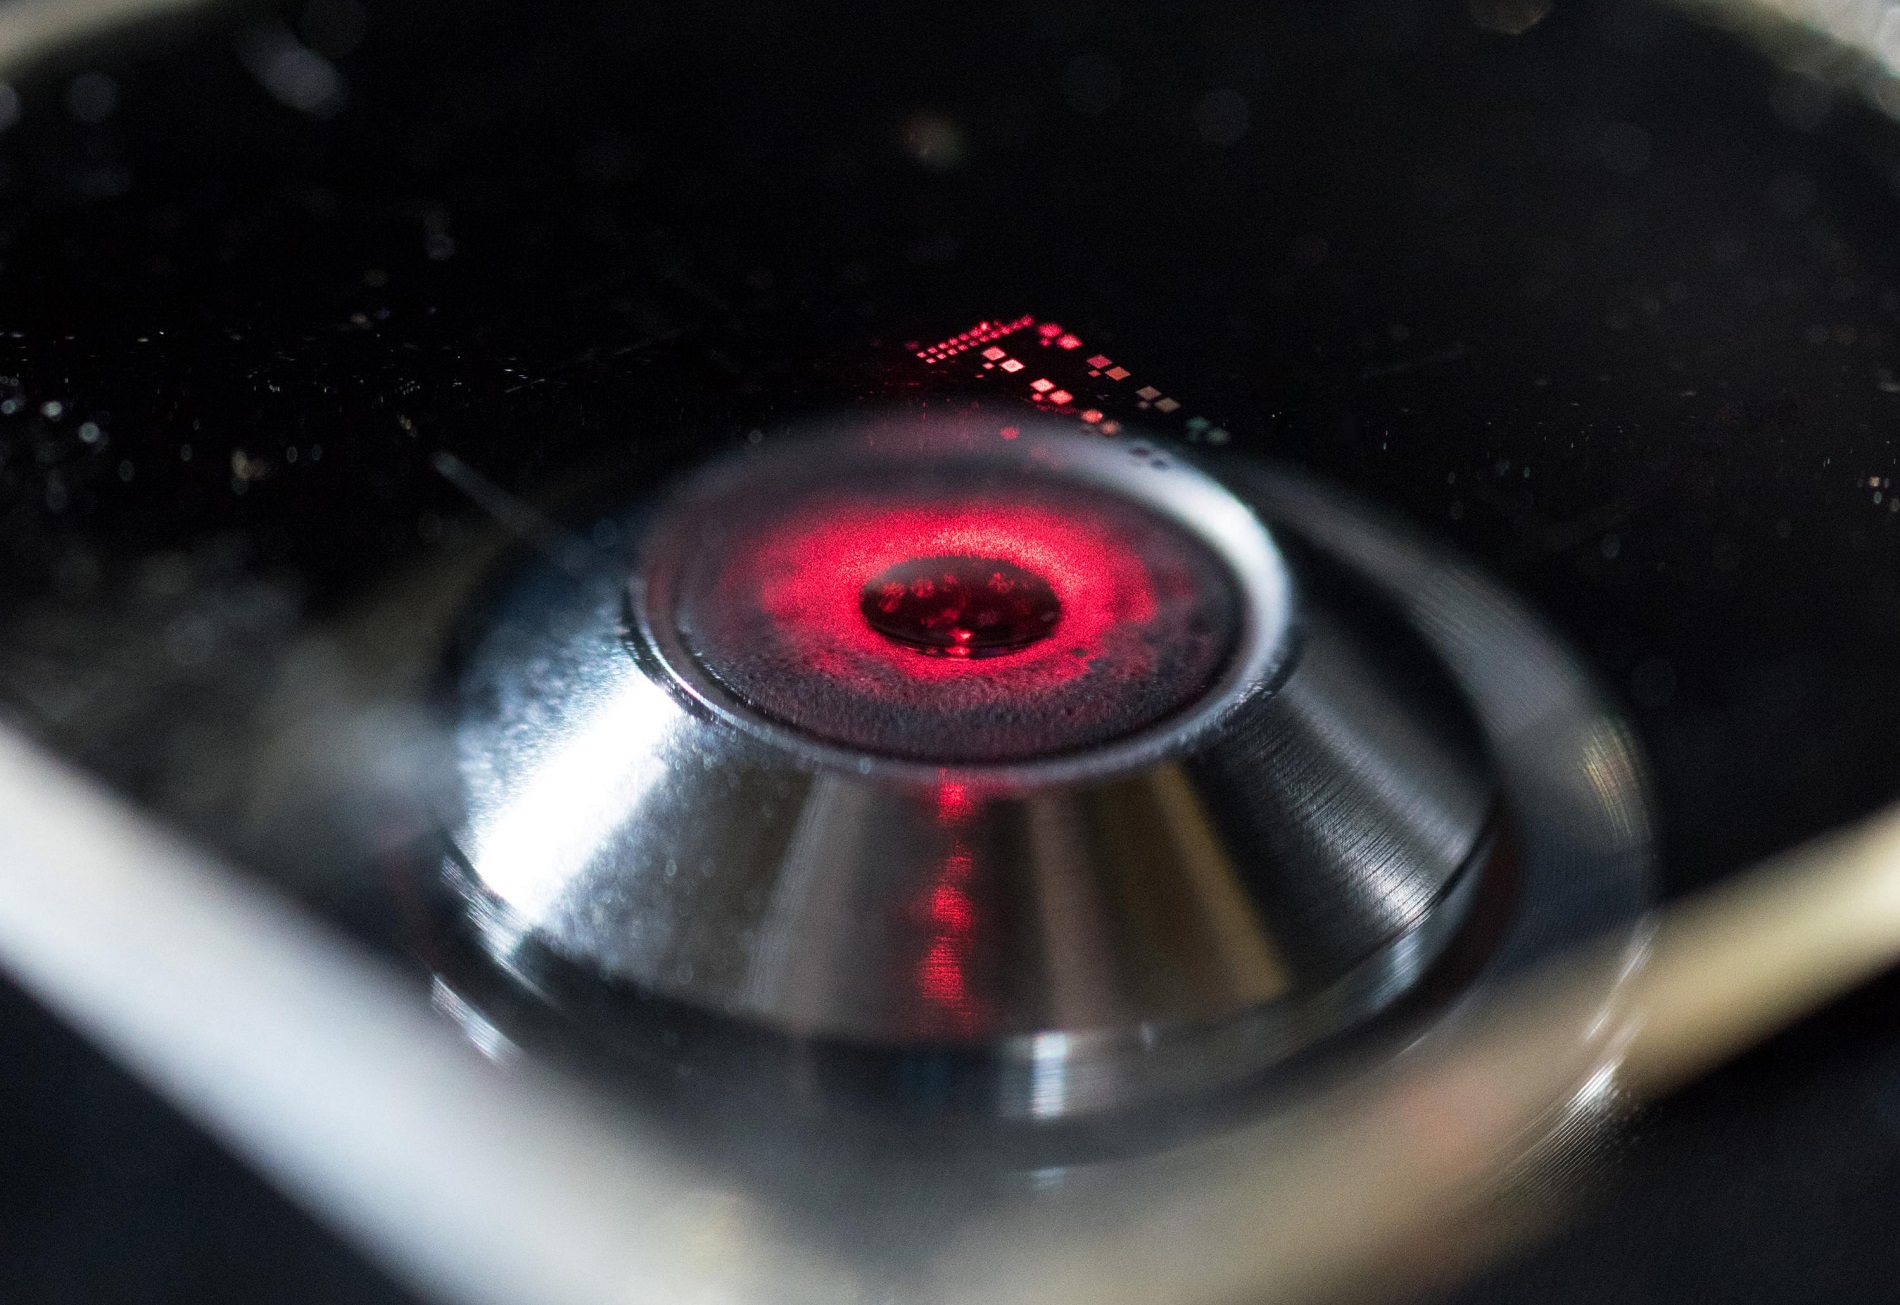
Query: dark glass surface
point(1612, 305)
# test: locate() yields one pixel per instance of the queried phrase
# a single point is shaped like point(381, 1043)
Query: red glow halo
point(772, 608)
point(812, 575)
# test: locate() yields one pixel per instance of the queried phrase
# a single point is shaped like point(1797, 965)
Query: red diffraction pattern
point(982, 333)
point(813, 569)
point(943, 973)
point(1107, 617)
point(950, 922)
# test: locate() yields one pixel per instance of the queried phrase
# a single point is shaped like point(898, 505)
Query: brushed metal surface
point(1164, 912)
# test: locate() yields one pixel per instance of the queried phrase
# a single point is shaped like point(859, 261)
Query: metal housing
point(1165, 914)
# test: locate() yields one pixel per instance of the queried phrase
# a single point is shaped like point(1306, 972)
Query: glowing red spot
point(802, 572)
point(950, 908)
point(1049, 330)
point(941, 978)
point(777, 611)
point(942, 974)
point(1010, 432)
point(1069, 342)
point(960, 606)
point(954, 803)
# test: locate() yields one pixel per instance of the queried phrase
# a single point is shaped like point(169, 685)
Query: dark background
point(1611, 304)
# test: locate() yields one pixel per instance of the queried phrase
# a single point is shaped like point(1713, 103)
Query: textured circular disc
point(1115, 618)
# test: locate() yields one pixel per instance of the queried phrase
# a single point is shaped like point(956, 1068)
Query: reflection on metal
point(1344, 1191)
point(334, 1078)
point(577, 789)
point(1238, 938)
point(1852, 44)
point(1161, 913)
point(515, 1189)
point(30, 28)
point(490, 1185)
point(1508, 17)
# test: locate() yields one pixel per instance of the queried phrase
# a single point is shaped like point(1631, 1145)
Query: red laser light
point(809, 578)
point(950, 907)
point(960, 606)
point(957, 622)
point(955, 803)
point(943, 971)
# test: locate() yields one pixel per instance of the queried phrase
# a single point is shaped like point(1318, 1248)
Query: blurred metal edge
point(31, 28)
point(1852, 45)
point(1337, 1196)
point(471, 1183)
point(516, 1188)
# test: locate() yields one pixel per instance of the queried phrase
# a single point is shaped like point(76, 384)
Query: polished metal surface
point(488, 1183)
point(1162, 911)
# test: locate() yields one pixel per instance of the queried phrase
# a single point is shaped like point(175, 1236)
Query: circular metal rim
point(1115, 1078)
point(1586, 839)
point(1583, 862)
point(1169, 486)
point(1047, 1079)
point(1571, 780)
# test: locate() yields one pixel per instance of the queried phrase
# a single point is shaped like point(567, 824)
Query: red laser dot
point(954, 803)
point(942, 971)
point(960, 606)
point(941, 978)
point(950, 908)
